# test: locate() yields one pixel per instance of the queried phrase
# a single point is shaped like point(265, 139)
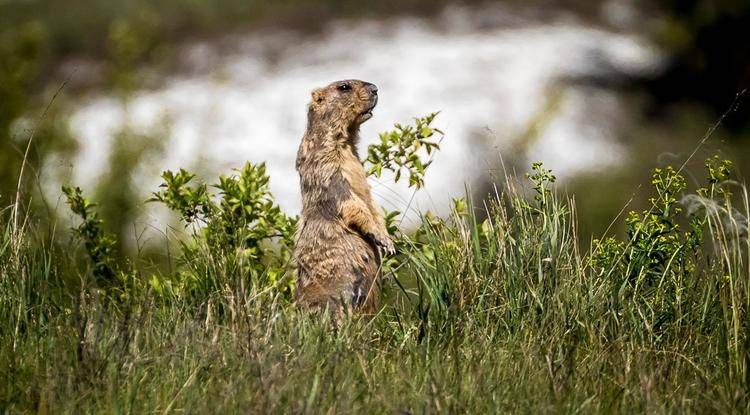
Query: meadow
point(495, 308)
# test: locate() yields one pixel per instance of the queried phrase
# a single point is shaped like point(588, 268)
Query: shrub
point(241, 230)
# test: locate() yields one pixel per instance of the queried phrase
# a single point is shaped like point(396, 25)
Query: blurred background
point(106, 94)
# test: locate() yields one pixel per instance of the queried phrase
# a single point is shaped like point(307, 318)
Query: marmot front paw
point(385, 243)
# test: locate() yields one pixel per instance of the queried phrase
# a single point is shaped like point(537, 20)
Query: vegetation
point(499, 307)
point(492, 309)
point(235, 234)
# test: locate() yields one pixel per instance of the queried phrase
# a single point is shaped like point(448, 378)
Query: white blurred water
point(489, 72)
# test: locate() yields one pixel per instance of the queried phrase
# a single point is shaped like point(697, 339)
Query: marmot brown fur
point(341, 229)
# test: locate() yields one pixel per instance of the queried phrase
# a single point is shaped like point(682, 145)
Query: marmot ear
point(317, 96)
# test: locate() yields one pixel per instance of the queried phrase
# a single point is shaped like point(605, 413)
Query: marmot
point(341, 229)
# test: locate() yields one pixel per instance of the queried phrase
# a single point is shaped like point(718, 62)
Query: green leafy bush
point(240, 229)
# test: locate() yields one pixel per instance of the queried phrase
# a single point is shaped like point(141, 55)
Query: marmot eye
point(344, 87)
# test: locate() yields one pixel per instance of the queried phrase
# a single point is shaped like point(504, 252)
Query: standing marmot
point(341, 228)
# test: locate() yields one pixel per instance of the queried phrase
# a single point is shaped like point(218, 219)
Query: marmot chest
point(354, 173)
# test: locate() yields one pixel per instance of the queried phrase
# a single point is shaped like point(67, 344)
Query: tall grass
point(493, 309)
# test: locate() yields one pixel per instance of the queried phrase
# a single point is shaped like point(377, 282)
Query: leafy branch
point(99, 245)
point(400, 150)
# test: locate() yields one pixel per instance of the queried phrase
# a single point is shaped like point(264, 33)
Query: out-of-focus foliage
point(117, 190)
point(710, 56)
point(126, 31)
point(20, 54)
point(32, 125)
point(21, 51)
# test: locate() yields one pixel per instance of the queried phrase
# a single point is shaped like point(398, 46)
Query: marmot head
point(343, 105)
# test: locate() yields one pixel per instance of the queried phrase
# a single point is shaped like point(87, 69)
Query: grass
point(503, 314)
